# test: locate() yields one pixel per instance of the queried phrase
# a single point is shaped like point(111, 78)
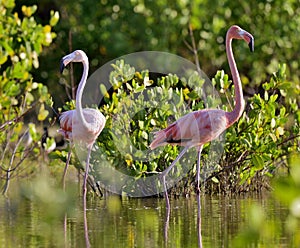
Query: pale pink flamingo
point(199, 127)
point(83, 125)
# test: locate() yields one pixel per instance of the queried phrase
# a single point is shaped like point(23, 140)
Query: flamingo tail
point(160, 139)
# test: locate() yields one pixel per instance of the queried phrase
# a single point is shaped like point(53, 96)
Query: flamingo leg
point(84, 188)
point(198, 169)
point(166, 226)
point(165, 172)
point(199, 222)
point(66, 168)
point(166, 193)
point(84, 197)
point(198, 197)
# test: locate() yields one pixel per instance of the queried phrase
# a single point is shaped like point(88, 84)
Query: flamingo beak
point(66, 60)
point(251, 44)
point(62, 66)
point(248, 38)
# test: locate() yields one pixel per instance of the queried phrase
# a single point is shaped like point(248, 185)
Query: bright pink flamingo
point(83, 125)
point(200, 127)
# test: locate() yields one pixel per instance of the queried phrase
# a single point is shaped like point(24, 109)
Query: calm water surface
point(123, 222)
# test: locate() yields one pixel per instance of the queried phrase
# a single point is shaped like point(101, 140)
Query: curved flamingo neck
point(236, 113)
point(79, 93)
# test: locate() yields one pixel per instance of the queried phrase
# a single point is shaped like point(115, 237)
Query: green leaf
point(54, 18)
point(9, 50)
point(12, 88)
point(257, 161)
point(273, 123)
point(9, 3)
point(50, 142)
point(3, 59)
point(43, 113)
point(273, 98)
point(273, 136)
point(193, 95)
point(145, 135)
point(19, 71)
point(215, 180)
point(246, 142)
point(29, 11)
point(103, 90)
point(279, 131)
point(32, 131)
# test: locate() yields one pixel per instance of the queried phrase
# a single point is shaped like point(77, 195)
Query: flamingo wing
point(65, 121)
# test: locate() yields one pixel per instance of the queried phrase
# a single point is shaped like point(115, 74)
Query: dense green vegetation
point(36, 36)
point(108, 29)
point(256, 148)
point(23, 100)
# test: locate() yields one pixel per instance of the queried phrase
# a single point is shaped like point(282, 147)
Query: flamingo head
point(238, 33)
point(76, 56)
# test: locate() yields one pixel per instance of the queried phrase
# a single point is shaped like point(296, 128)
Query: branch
point(194, 48)
point(288, 139)
point(10, 169)
point(71, 67)
point(21, 160)
point(226, 168)
point(17, 118)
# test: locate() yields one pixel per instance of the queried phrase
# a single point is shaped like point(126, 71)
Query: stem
point(73, 88)
point(194, 49)
point(9, 170)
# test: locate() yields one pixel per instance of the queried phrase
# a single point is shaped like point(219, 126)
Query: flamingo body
point(194, 129)
point(72, 128)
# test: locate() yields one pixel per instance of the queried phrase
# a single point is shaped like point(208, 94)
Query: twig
point(71, 67)
point(288, 139)
point(226, 168)
point(9, 170)
point(194, 49)
point(188, 45)
point(17, 118)
point(22, 159)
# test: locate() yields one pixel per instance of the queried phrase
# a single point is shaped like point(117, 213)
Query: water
point(123, 222)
